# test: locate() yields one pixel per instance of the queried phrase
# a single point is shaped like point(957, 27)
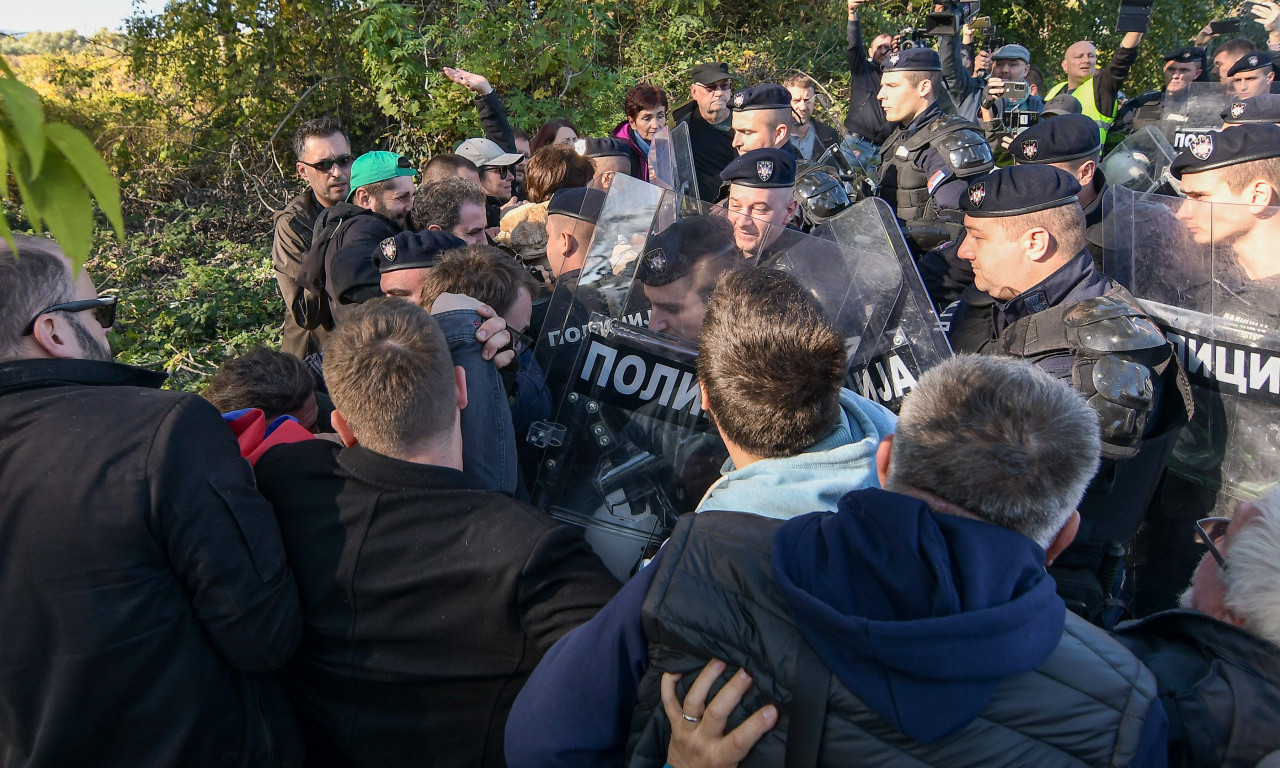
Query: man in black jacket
point(810, 137)
point(324, 162)
point(143, 593)
point(710, 125)
point(865, 117)
point(427, 601)
point(340, 269)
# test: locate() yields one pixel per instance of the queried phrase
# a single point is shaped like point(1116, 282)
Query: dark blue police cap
point(767, 168)
point(1263, 108)
point(610, 147)
point(1251, 61)
point(913, 60)
point(762, 96)
point(579, 203)
point(1060, 140)
point(1191, 54)
point(415, 250)
point(1018, 190)
point(1237, 144)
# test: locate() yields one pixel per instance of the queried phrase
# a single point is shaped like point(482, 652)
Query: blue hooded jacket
point(843, 461)
point(920, 614)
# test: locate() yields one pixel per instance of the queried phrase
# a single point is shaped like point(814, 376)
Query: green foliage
point(189, 296)
point(55, 169)
point(67, 41)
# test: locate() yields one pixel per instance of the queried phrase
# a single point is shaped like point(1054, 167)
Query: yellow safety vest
point(1088, 105)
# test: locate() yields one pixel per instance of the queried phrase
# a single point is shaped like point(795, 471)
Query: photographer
point(1008, 106)
point(965, 89)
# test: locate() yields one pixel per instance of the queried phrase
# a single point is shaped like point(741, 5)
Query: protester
point(454, 205)
point(865, 118)
point(495, 173)
point(557, 130)
point(146, 598)
point(448, 165)
point(646, 110)
point(324, 162)
point(1097, 91)
point(417, 635)
point(554, 168)
point(493, 121)
point(710, 125)
point(276, 383)
point(843, 616)
point(810, 137)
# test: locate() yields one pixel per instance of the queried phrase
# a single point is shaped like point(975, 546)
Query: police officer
point(1037, 295)
point(928, 159)
point(1252, 75)
point(1071, 143)
point(762, 118)
point(761, 204)
point(1263, 108)
point(1181, 68)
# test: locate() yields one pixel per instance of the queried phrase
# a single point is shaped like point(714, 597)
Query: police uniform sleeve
point(221, 539)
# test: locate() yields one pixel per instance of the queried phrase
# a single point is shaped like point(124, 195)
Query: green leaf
point(91, 168)
point(6, 234)
point(63, 202)
point(27, 118)
point(4, 167)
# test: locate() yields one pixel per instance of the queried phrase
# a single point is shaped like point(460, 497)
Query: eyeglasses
point(1213, 529)
point(519, 341)
point(723, 85)
point(326, 165)
point(104, 311)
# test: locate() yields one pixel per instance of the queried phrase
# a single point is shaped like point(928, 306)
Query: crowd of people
point(409, 536)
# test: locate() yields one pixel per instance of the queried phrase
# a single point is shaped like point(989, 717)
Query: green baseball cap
point(372, 167)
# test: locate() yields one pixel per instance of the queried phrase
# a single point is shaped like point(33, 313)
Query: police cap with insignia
point(767, 168)
point(1250, 62)
point(711, 72)
point(1018, 190)
point(1237, 144)
point(415, 250)
point(913, 60)
point(1263, 108)
point(1191, 54)
point(610, 147)
point(1060, 140)
point(674, 252)
point(581, 203)
point(762, 96)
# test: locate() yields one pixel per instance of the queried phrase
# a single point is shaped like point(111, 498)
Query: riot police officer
point(1037, 295)
point(1181, 67)
point(1070, 143)
point(927, 162)
point(760, 202)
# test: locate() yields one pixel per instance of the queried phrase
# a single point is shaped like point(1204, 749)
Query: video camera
point(949, 22)
point(908, 37)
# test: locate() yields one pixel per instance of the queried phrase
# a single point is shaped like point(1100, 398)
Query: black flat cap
point(1237, 144)
point(1060, 140)
point(1191, 54)
point(767, 168)
point(415, 250)
point(913, 60)
point(711, 72)
point(1250, 62)
point(581, 203)
point(762, 96)
point(1018, 190)
point(1263, 108)
point(610, 147)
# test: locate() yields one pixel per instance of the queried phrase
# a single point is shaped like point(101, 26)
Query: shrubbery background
point(194, 109)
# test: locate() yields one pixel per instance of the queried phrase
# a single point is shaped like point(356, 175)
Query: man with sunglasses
point(340, 269)
point(324, 163)
point(144, 594)
point(1217, 659)
point(710, 125)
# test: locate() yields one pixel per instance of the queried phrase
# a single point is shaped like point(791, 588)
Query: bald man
point(1097, 91)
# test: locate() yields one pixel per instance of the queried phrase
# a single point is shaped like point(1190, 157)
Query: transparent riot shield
point(628, 448)
point(887, 365)
point(1192, 113)
point(1141, 162)
point(662, 161)
point(1210, 276)
point(671, 161)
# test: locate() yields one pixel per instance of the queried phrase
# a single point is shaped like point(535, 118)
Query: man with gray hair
point(1217, 660)
point(144, 593)
point(914, 625)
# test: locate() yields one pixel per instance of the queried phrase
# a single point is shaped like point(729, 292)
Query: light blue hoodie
point(813, 481)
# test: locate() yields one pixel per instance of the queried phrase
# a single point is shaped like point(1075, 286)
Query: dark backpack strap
point(810, 689)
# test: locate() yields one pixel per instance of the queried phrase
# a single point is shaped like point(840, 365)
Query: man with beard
point(340, 268)
point(144, 595)
point(324, 162)
point(810, 137)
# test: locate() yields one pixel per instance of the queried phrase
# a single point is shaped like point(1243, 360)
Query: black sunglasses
point(104, 311)
point(1213, 529)
point(327, 164)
